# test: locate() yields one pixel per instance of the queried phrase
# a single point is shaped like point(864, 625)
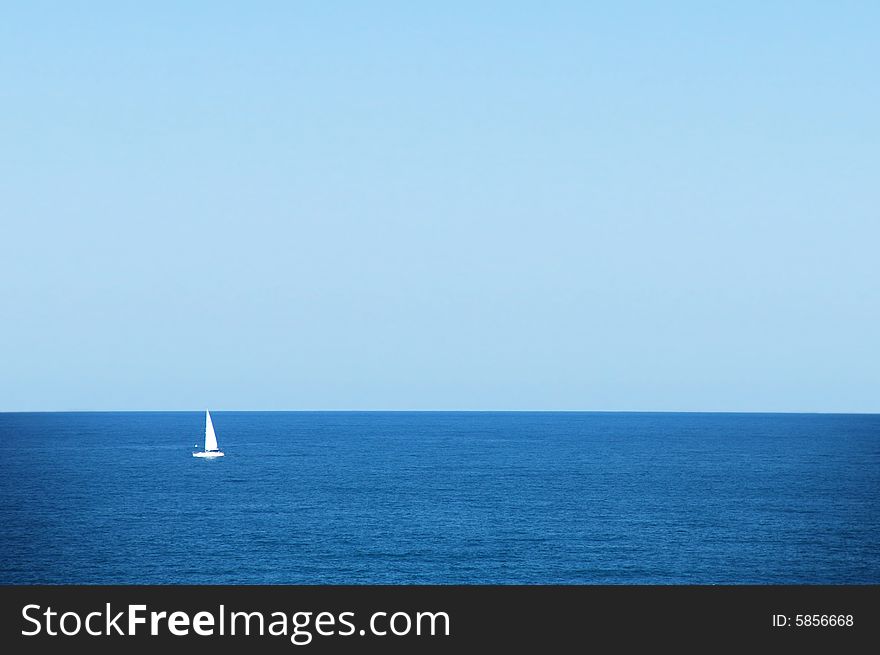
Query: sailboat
point(211, 449)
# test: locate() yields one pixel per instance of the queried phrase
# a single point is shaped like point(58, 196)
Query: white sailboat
point(211, 448)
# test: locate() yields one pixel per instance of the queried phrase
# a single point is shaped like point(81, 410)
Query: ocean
point(440, 497)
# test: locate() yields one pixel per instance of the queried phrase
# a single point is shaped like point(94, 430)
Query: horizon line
point(449, 411)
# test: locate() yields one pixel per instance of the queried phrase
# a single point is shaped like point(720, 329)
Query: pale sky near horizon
point(328, 205)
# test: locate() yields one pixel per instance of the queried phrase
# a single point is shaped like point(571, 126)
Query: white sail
point(210, 437)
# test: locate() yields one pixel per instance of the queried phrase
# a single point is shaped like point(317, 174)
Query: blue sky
point(324, 205)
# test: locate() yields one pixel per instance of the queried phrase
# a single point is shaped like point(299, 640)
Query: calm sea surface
point(440, 497)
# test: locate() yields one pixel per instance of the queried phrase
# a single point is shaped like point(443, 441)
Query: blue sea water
point(440, 497)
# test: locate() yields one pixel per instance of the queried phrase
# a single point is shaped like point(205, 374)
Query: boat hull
point(208, 455)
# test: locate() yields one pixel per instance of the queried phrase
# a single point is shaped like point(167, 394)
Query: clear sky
point(449, 205)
